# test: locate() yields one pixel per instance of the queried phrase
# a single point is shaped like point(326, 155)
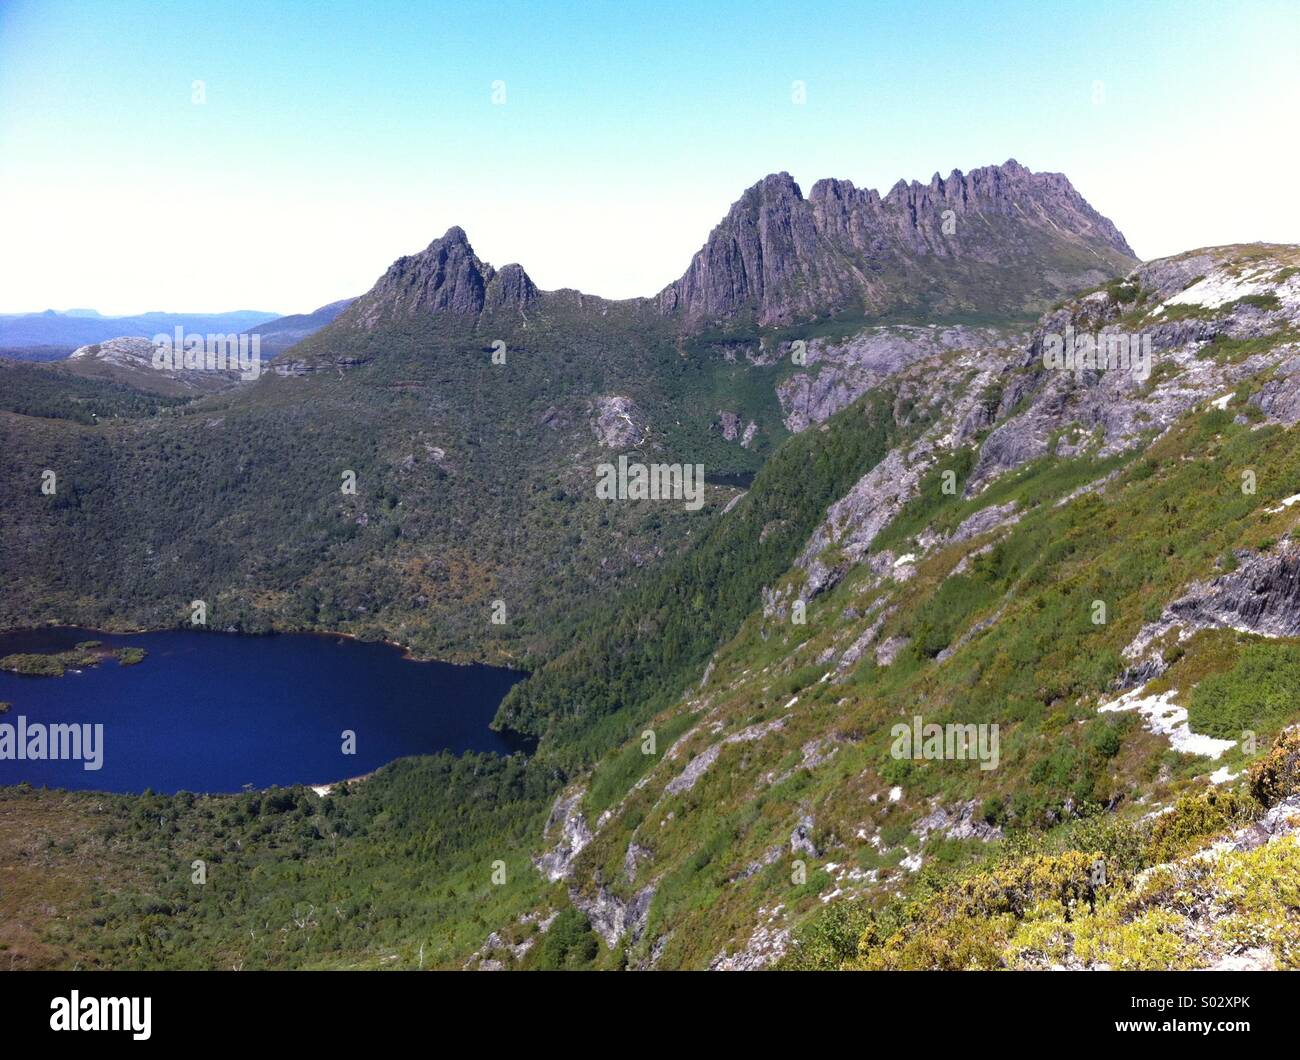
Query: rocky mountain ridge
point(779, 259)
point(782, 258)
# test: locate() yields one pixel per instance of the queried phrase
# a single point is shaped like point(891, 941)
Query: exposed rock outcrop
point(958, 822)
point(1046, 411)
point(612, 917)
point(778, 257)
point(617, 422)
point(1262, 596)
point(838, 373)
point(446, 277)
point(573, 836)
point(767, 944)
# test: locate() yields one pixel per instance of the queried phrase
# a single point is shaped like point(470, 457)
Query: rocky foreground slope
point(1098, 562)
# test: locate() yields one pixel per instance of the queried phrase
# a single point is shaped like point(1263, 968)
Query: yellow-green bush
point(1189, 910)
point(1194, 819)
point(968, 924)
point(1276, 776)
point(1257, 894)
point(956, 944)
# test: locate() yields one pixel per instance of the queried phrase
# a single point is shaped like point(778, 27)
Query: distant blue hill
point(79, 327)
point(279, 334)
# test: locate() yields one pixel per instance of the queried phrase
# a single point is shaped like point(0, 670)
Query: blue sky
point(334, 138)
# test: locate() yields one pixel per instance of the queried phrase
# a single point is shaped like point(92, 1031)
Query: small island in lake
point(56, 664)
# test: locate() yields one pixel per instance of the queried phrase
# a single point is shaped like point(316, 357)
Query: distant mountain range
point(283, 332)
point(998, 242)
point(80, 327)
point(991, 240)
point(400, 385)
point(51, 334)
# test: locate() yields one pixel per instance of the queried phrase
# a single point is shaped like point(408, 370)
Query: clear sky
point(334, 137)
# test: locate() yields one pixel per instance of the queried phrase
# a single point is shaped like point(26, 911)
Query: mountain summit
point(446, 277)
point(950, 245)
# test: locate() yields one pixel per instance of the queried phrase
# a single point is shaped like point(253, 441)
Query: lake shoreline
point(134, 631)
point(221, 714)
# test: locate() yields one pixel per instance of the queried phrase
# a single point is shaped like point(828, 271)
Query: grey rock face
point(124, 352)
point(700, 764)
point(888, 651)
point(950, 391)
point(294, 367)
point(1169, 276)
point(445, 277)
point(958, 822)
point(1282, 820)
point(801, 838)
point(574, 835)
point(636, 855)
point(613, 917)
point(1280, 397)
point(509, 289)
point(131, 358)
point(840, 373)
point(778, 257)
point(767, 944)
point(730, 424)
point(1262, 596)
point(986, 519)
point(1119, 407)
point(858, 648)
point(854, 521)
point(618, 422)
point(695, 769)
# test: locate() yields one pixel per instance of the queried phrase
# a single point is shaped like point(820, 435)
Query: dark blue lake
point(212, 712)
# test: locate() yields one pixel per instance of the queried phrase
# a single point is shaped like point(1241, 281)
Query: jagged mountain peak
point(446, 277)
point(777, 184)
point(777, 258)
